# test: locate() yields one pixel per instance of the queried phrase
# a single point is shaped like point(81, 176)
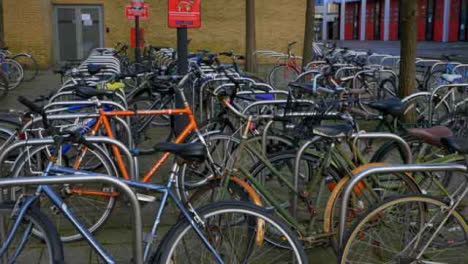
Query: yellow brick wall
point(28, 25)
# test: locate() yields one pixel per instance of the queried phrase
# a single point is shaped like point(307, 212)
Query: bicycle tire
point(318, 197)
point(293, 254)
point(4, 85)
point(14, 73)
point(194, 176)
point(51, 239)
point(278, 78)
point(365, 201)
point(423, 204)
point(29, 65)
point(81, 207)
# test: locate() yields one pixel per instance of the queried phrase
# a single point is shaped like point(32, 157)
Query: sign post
point(183, 14)
point(137, 11)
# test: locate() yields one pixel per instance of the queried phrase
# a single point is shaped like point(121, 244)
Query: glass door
point(78, 30)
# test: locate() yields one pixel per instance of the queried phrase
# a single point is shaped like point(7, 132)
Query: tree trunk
point(309, 33)
point(408, 48)
point(250, 46)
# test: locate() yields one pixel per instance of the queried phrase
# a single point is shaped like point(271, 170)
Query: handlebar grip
point(29, 104)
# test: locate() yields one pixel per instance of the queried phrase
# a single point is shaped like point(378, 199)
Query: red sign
point(137, 9)
point(133, 37)
point(184, 13)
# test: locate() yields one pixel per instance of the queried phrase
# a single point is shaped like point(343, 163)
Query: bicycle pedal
point(145, 198)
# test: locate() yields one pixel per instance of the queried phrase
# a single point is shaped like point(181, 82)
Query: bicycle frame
point(166, 190)
point(103, 120)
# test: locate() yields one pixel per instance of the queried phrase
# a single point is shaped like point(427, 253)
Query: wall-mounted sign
point(137, 9)
point(184, 13)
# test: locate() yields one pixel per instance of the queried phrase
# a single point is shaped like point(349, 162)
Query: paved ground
point(424, 49)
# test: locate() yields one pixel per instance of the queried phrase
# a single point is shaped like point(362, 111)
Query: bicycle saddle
point(194, 152)
point(431, 135)
point(451, 77)
point(456, 144)
point(391, 106)
point(95, 68)
point(87, 92)
point(333, 131)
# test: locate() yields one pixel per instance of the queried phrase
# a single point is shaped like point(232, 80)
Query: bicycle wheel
point(313, 190)
point(415, 218)
point(4, 84)
point(281, 76)
point(365, 195)
point(236, 231)
point(434, 80)
point(29, 65)
point(46, 250)
point(195, 181)
point(417, 105)
point(14, 73)
point(91, 203)
point(148, 129)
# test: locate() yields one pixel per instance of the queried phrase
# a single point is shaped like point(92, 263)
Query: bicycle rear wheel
point(34, 249)
point(29, 65)
point(398, 230)
point(281, 76)
point(236, 230)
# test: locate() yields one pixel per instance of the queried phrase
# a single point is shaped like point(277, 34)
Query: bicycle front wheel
point(236, 230)
point(25, 248)
point(400, 230)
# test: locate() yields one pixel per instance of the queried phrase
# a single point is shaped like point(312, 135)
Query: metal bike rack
point(443, 63)
point(433, 93)
point(384, 135)
point(388, 169)
point(356, 136)
point(132, 198)
point(95, 139)
point(81, 115)
point(378, 71)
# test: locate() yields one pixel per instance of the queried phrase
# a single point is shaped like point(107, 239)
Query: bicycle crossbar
point(388, 169)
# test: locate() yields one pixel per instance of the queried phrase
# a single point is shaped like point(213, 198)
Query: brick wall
point(28, 25)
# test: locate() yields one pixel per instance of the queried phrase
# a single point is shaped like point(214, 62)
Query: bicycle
point(211, 226)
point(430, 229)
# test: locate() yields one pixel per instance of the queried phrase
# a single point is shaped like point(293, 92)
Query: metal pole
point(137, 40)
point(386, 20)
point(182, 68)
point(363, 19)
point(325, 20)
point(342, 20)
point(446, 26)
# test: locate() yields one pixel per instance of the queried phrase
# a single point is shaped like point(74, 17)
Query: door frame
point(78, 26)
